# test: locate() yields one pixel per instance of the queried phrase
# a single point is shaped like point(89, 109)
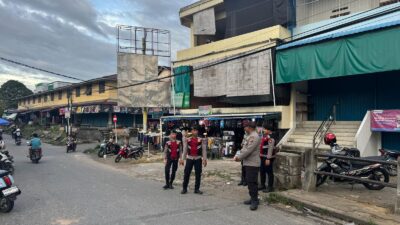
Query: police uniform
point(267, 153)
point(194, 152)
point(172, 153)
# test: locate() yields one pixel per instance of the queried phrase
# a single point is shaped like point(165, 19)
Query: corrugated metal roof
point(388, 20)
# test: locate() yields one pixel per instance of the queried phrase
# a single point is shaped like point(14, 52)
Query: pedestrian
point(172, 154)
point(267, 157)
point(195, 155)
point(251, 160)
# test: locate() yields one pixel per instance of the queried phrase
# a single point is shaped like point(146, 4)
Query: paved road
point(73, 189)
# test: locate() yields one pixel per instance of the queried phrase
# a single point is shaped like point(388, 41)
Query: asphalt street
point(73, 189)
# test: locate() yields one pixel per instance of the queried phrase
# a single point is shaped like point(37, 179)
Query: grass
point(220, 174)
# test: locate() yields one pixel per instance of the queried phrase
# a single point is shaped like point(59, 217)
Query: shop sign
point(205, 110)
point(385, 120)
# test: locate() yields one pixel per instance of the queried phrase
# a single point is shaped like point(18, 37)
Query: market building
point(353, 68)
point(93, 104)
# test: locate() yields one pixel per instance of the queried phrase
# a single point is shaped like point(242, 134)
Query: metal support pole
point(397, 206)
point(272, 78)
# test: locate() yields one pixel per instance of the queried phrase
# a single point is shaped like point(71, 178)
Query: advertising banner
point(385, 120)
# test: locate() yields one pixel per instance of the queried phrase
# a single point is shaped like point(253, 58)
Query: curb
point(317, 208)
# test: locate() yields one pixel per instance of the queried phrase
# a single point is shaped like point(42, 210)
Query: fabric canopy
point(372, 52)
point(4, 122)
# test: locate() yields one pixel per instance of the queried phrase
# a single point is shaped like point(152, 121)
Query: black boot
point(171, 186)
point(184, 191)
point(254, 205)
point(198, 192)
point(247, 202)
point(269, 190)
point(166, 187)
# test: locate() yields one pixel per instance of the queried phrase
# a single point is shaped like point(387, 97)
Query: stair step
point(337, 130)
point(336, 122)
point(311, 134)
point(310, 141)
point(348, 137)
point(332, 126)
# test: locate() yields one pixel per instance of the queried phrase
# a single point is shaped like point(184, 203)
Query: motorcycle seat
point(4, 173)
point(392, 152)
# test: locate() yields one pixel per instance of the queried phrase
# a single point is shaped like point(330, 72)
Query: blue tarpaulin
point(4, 122)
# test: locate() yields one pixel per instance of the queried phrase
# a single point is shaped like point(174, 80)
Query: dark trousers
point(198, 167)
point(252, 181)
point(243, 178)
point(267, 170)
point(170, 175)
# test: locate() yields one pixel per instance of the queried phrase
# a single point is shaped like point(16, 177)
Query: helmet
point(330, 139)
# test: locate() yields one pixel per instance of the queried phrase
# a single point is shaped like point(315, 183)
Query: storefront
point(224, 131)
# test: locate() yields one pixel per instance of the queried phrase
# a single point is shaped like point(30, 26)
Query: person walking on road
point(195, 155)
point(251, 160)
point(172, 154)
point(267, 157)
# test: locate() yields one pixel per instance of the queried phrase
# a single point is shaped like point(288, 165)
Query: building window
point(78, 91)
point(33, 100)
point(102, 86)
point(52, 96)
point(29, 101)
point(45, 98)
point(69, 93)
point(59, 95)
point(39, 99)
point(89, 89)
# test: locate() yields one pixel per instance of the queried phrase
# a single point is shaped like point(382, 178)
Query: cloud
point(77, 37)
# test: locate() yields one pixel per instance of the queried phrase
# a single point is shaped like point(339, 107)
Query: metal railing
point(324, 127)
point(311, 172)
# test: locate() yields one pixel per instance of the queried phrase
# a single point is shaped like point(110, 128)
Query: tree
point(10, 91)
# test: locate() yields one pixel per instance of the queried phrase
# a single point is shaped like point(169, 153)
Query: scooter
point(5, 163)
point(129, 152)
point(34, 154)
point(18, 137)
point(8, 192)
point(107, 148)
point(71, 144)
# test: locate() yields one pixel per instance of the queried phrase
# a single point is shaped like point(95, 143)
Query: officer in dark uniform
point(267, 156)
point(195, 155)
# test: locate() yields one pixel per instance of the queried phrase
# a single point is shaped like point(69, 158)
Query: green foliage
point(9, 92)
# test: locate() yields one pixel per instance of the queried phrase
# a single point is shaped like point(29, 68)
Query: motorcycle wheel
point(322, 178)
point(392, 170)
point(118, 158)
point(140, 154)
point(6, 205)
point(378, 174)
point(10, 168)
point(100, 154)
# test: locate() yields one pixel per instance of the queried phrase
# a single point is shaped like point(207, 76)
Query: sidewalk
point(357, 205)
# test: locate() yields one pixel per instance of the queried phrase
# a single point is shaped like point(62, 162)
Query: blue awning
point(388, 20)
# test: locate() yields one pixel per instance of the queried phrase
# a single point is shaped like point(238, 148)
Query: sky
point(77, 37)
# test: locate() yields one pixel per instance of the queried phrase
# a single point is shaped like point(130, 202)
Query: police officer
point(267, 156)
point(251, 161)
point(172, 153)
point(195, 154)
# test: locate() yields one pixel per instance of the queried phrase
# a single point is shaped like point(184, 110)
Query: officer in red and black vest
point(172, 154)
point(267, 156)
point(195, 154)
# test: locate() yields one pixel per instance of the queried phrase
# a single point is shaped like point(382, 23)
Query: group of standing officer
point(191, 153)
point(257, 157)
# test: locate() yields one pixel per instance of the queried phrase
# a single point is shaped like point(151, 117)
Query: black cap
point(251, 125)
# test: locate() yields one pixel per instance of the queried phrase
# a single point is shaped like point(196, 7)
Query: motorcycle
point(5, 152)
point(34, 154)
point(71, 144)
point(8, 192)
point(129, 152)
point(5, 163)
point(390, 156)
point(18, 137)
point(107, 148)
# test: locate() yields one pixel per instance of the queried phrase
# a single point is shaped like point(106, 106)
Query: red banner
point(385, 120)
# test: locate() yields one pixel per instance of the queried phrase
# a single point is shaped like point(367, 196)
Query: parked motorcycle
point(108, 147)
point(71, 144)
point(6, 163)
point(375, 172)
point(8, 192)
point(129, 152)
point(390, 156)
point(34, 154)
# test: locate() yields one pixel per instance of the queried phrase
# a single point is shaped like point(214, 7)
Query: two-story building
point(93, 104)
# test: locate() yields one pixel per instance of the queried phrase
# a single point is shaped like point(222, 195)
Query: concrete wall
point(368, 142)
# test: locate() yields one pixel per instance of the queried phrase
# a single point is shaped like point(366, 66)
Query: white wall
point(368, 142)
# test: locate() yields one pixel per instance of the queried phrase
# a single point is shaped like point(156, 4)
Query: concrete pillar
point(110, 121)
point(397, 206)
point(310, 164)
point(145, 116)
point(287, 167)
